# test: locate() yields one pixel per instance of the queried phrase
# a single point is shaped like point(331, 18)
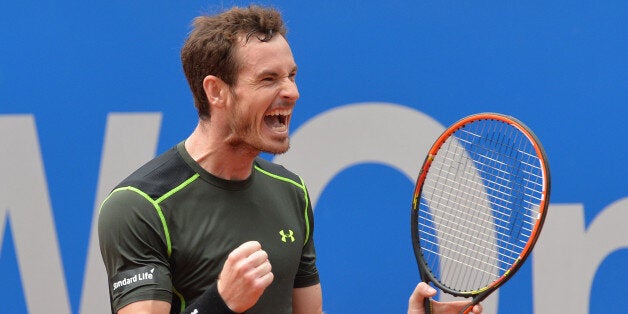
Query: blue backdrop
point(559, 66)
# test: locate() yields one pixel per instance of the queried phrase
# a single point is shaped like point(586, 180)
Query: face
point(263, 97)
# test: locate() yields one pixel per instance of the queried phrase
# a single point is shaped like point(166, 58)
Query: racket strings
point(533, 178)
point(479, 204)
point(463, 244)
point(497, 192)
point(512, 149)
point(455, 260)
point(497, 254)
point(499, 165)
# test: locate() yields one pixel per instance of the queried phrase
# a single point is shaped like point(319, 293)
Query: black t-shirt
point(166, 230)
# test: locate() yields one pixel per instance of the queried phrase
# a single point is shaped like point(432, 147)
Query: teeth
point(280, 113)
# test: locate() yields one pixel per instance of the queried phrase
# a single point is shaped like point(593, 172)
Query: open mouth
point(277, 121)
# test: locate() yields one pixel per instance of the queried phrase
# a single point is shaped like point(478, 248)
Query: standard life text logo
point(134, 278)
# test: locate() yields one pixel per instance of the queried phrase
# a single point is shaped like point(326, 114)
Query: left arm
point(308, 300)
point(423, 290)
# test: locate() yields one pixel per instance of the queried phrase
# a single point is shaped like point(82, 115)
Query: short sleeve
point(134, 246)
point(307, 274)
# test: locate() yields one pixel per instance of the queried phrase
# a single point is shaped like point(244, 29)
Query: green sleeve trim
point(305, 214)
point(155, 204)
point(301, 186)
point(157, 208)
point(181, 299)
point(178, 188)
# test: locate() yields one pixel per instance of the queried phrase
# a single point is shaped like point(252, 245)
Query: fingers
point(250, 262)
point(253, 261)
point(422, 291)
point(244, 250)
point(477, 309)
point(244, 277)
point(260, 267)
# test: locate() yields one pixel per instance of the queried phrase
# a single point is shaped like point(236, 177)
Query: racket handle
point(427, 305)
point(468, 309)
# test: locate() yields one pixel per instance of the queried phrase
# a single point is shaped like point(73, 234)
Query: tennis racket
point(479, 204)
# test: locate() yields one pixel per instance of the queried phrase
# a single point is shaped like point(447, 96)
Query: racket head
point(479, 204)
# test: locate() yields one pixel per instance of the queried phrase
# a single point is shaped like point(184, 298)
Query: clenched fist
point(245, 276)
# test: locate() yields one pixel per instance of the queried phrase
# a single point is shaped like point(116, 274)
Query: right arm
point(243, 279)
point(146, 307)
point(133, 243)
point(245, 276)
point(132, 238)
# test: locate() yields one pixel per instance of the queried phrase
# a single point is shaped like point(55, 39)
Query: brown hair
point(210, 48)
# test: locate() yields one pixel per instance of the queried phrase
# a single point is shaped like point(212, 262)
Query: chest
point(205, 225)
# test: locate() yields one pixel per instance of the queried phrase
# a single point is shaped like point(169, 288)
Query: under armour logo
point(284, 235)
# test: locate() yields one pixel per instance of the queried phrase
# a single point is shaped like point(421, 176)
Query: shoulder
point(126, 207)
point(135, 199)
point(277, 171)
point(160, 175)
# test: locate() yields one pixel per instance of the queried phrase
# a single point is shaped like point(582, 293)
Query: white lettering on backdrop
point(384, 133)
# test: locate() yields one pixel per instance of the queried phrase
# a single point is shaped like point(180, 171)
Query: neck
point(218, 157)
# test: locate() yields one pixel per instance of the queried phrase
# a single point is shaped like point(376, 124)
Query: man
point(208, 226)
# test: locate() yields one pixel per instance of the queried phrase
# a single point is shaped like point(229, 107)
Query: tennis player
point(208, 226)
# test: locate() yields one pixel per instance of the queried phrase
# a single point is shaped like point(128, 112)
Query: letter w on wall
point(130, 140)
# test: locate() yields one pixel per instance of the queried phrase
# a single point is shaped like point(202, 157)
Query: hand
point(245, 276)
point(423, 290)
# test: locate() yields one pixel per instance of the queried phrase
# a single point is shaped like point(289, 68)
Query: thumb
point(422, 291)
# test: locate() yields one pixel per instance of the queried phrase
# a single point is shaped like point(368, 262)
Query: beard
point(245, 134)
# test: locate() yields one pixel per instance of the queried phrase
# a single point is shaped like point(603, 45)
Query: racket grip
point(427, 305)
point(468, 309)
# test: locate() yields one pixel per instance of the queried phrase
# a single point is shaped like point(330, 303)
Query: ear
point(215, 90)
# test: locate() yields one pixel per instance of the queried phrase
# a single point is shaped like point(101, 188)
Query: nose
point(289, 91)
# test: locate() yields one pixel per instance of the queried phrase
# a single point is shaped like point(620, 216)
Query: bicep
point(307, 300)
point(129, 223)
point(147, 306)
point(132, 245)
